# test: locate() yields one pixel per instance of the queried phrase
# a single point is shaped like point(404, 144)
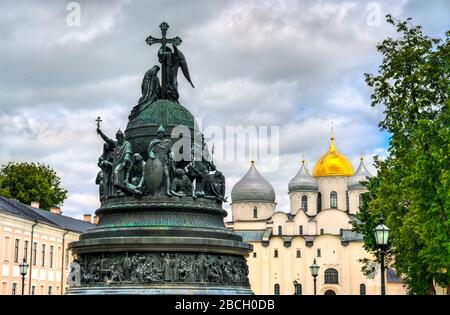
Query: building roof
point(251, 235)
point(361, 175)
point(349, 235)
point(253, 187)
point(16, 208)
point(333, 163)
point(303, 181)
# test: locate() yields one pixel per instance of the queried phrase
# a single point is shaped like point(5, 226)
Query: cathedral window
point(280, 230)
point(321, 232)
point(318, 252)
point(276, 289)
point(362, 289)
point(319, 202)
point(331, 276)
point(299, 254)
point(305, 203)
point(255, 212)
point(275, 253)
point(347, 202)
point(300, 230)
point(341, 232)
point(254, 254)
point(333, 200)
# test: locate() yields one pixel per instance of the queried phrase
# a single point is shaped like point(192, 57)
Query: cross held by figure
point(98, 120)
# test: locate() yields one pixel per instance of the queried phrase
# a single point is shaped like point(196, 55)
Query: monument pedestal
point(164, 245)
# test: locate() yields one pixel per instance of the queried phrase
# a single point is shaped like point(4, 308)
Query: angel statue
point(173, 60)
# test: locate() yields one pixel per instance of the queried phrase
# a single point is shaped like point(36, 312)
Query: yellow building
point(318, 226)
point(40, 237)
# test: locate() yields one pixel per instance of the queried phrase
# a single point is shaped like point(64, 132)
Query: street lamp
point(314, 272)
point(381, 232)
point(23, 271)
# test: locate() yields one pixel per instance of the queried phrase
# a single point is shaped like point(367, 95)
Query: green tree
point(412, 186)
point(29, 182)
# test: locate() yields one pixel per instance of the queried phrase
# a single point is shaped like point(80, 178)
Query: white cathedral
point(318, 227)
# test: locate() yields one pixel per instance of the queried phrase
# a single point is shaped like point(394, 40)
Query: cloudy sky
point(295, 65)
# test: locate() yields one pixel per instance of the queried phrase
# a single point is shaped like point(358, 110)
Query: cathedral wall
point(244, 210)
point(266, 270)
point(329, 184)
point(301, 220)
point(331, 221)
point(281, 219)
point(250, 225)
point(295, 202)
point(354, 200)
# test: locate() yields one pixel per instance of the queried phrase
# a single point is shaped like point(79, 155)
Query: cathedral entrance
point(329, 292)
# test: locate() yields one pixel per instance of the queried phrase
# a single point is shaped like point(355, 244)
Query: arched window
point(280, 230)
point(254, 254)
point(319, 202)
point(305, 203)
point(347, 202)
point(318, 252)
point(362, 289)
point(341, 232)
point(300, 230)
point(276, 289)
point(361, 201)
point(333, 199)
point(275, 253)
point(299, 254)
point(331, 276)
point(298, 288)
point(321, 231)
point(255, 212)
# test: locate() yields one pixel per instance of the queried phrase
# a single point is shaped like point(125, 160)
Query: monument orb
point(161, 228)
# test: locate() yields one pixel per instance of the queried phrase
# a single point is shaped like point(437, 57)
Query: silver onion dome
point(303, 181)
point(361, 175)
point(253, 187)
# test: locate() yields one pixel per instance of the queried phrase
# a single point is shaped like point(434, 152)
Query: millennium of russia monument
point(161, 228)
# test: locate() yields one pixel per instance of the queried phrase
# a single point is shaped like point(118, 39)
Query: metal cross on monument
point(163, 41)
point(98, 120)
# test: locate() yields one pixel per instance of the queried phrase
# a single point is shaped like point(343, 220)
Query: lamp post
point(381, 232)
point(23, 271)
point(314, 272)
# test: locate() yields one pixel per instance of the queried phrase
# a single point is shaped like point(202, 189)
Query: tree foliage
point(412, 186)
point(29, 182)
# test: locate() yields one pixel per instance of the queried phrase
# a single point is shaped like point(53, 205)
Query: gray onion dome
point(361, 175)
point(303, 181)
point(253, 187)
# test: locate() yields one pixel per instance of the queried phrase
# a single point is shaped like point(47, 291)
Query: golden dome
point(333, 163)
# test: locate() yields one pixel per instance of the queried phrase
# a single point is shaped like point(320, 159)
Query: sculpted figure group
point(124, 173)
point(138, 268)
